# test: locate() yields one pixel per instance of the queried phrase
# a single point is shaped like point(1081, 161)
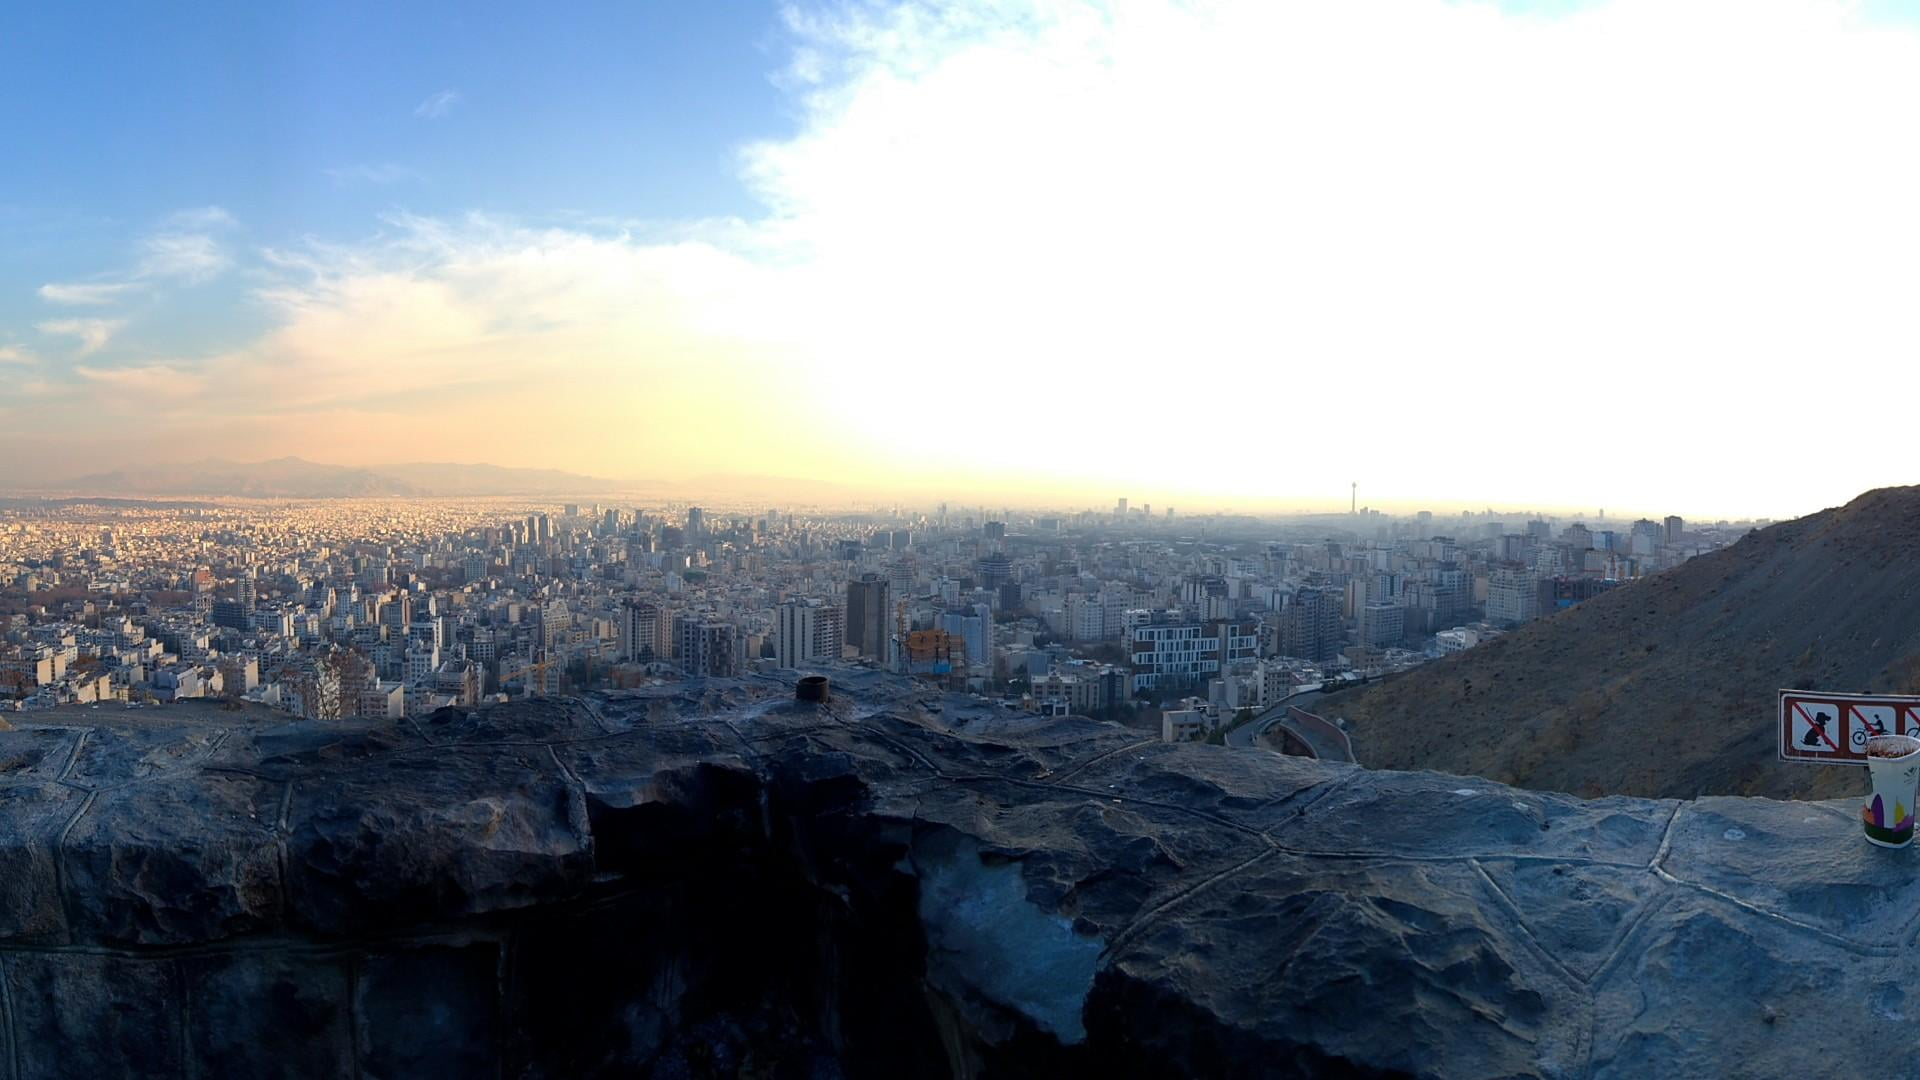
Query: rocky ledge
point(711, 879)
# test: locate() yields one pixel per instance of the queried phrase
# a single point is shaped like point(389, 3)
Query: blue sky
point(308, 119)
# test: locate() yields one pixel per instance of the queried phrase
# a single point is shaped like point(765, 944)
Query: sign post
point(1833, 729)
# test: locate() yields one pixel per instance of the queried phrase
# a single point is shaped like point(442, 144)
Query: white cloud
point(187, 246)
point(16, 355)
point(93, 334)
point(379, 175)
point(1370, 227)
point(146, 383)
point(437, 105)
point(83, 293)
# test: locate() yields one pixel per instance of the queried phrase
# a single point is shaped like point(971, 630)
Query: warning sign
point(1834, 728)
point(1868, 721)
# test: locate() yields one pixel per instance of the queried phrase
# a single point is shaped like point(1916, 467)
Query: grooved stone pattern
point(507, 892)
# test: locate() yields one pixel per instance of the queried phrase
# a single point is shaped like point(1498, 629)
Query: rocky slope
point(1667, 688)
point(711, 880)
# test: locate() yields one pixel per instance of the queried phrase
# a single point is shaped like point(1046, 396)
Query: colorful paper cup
point(1888, 813)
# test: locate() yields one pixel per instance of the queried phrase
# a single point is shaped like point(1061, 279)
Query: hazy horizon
point(1512, 254)
point(749, 487)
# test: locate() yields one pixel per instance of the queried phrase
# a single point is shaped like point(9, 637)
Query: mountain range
point(1667, 687)
point(296, 478)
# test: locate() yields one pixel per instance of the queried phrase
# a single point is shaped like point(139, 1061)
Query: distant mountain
point(442, 478)
point(295, 478)
point(1667, 687)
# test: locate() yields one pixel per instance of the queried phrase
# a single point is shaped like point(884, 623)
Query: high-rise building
point(868, 616)
point(1310, 627)
point(1676, 527)
point(1382, 623)
point(397, 614)
point(799, 639)
point(994, 569)
point(705, 646)
point(996, 530)
point(556, 624)
point(641, 631)
point(696, 523)
point(975, 628)
point(1647, 537)
point(829, 631)
point(900, 579)
point(1513, 595)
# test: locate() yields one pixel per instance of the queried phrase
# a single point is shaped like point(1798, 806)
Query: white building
point(1513, 596)
point(1188, 654)
point(807, 632)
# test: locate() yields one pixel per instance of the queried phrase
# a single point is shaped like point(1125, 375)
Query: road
point(1326, 743)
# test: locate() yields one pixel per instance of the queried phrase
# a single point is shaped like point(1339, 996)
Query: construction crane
point(900, 636)
point(537, 668)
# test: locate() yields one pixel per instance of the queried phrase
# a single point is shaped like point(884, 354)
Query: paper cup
point(1888, 813)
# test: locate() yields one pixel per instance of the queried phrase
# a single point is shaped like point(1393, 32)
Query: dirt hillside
point(1667, 687)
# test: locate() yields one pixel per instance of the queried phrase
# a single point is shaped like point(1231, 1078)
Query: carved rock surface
point(708, 879)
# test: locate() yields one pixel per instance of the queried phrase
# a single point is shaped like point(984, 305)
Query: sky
point(1651, 255)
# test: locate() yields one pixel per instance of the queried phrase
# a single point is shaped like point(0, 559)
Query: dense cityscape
point(390, 608)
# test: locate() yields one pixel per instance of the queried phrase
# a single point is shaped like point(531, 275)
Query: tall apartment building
point(644, 630)
point(1382, 623)
point(706, 647)
point(1310, 627)
point(868, 616)
point(807, 632)
point(975, 628)
point(1436, 602)
point(1647, 537)
point(1513, 595)
point(995, 569)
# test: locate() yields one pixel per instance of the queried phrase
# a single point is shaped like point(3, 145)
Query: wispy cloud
point(16, 355)
point(87, 293)
point(379, 175)
point(187, 246)
point(437, 105)
point(93, 334)
point(146, 381)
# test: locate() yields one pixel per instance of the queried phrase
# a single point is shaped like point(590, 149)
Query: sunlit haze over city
point(1550, 256)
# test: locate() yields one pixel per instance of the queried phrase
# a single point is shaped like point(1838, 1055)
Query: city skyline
point(300, 480)
point(1214, 255)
